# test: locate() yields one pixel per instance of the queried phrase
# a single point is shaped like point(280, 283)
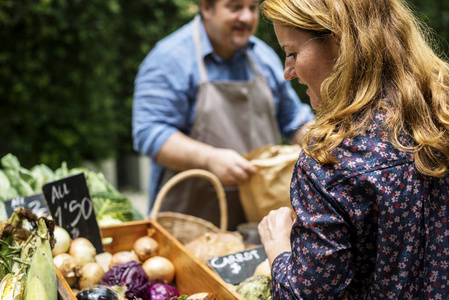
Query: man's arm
point(300, 133)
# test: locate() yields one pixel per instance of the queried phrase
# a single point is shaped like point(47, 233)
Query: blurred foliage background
point(67, 71)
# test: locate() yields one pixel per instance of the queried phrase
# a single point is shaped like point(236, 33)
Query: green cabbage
point(109, 203)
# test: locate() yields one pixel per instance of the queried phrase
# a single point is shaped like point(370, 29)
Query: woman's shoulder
point(366, 152)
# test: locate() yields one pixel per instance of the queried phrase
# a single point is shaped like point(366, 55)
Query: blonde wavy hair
point(386, 62)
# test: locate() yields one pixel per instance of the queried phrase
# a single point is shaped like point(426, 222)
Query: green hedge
point(435, 13)
point(68, 68)
point(67, 72)
point(58, 80)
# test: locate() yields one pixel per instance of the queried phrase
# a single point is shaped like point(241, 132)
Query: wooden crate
point(191, 276)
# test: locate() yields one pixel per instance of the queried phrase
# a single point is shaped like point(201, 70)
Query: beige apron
point(236, 115)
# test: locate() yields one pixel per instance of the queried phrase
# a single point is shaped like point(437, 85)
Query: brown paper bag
point(270, 188)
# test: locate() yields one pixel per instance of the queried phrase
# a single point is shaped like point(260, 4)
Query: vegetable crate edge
point(191, 276)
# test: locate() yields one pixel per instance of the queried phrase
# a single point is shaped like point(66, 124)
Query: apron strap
point(198, 52)
point(252, 64)
point(197, 41)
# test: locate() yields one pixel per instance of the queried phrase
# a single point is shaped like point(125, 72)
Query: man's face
point(230, 23)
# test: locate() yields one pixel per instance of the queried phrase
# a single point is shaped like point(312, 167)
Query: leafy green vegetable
point(10, 161)
point(109, 203)
point(255, 287)
point(19, 178)
point(6, 190)
point(42, 175)
point(20, 184)
point(3, 215)
point(4, 181)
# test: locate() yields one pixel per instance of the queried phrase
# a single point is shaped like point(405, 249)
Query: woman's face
point(308, 59)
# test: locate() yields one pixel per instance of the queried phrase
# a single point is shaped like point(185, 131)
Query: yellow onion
point(82, 250)
point(159, 269)
point(199, 296)
point(62, 239)
point(212, 244)
point(123, 257)
point(90, 274)
point(145, 247)
point(263, 268)
point(68, 267)
point(104, 260)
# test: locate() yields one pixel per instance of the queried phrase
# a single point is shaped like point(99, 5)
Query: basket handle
point(194, 173)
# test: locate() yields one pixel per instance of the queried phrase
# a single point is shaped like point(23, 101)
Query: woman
point(370, 190)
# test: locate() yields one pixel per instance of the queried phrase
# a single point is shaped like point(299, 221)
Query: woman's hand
point(274, 231)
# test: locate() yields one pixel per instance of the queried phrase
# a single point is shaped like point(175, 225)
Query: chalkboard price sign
point(34, 203)
point(235, 268)
point(72, 208)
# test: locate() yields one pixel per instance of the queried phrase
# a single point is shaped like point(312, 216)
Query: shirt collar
point(207, 50)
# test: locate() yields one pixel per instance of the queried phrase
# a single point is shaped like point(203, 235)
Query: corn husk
point(41, 282)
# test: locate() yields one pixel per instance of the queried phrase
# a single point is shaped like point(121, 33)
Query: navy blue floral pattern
point(368, 227)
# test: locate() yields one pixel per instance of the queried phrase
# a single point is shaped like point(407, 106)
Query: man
point(204, 96)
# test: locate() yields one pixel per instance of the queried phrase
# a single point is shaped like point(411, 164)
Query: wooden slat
point(64, 289)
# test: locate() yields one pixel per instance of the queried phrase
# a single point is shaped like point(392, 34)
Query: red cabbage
point(163, 291)
point(132, 276)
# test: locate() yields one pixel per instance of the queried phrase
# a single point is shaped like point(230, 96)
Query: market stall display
point(169, 267)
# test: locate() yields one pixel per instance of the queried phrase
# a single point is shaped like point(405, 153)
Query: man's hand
point(181, 153)
point(229, 166)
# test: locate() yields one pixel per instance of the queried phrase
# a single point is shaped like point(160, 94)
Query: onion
point(211, 244)
point(62, 239)
point(68, 267)
point(104, 260)
point(82, 250)
point(91, 274)
point(263, 268)
point(159, 269)
point(123, 257)
point(145, 247)
point(199, 296)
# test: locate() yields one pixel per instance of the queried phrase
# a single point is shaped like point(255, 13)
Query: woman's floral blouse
point(369, 227)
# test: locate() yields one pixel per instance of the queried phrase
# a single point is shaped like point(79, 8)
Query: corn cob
point(41, 282)
point(11, 287)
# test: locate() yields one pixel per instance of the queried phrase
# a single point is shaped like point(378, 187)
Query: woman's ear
point(334, 45)
point(335, 38)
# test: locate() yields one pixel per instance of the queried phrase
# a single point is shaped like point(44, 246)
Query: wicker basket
point(186, 227)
